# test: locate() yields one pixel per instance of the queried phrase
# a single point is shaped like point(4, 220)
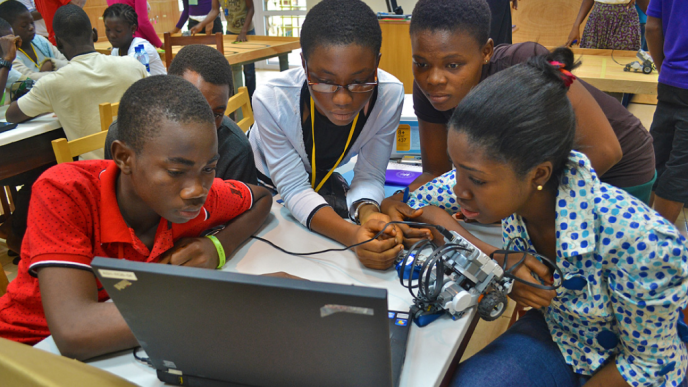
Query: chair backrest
point(108, 111)
point(66, 151)
point(241, 100)
point(170, 41)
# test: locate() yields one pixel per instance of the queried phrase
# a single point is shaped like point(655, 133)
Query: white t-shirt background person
point(155, 63)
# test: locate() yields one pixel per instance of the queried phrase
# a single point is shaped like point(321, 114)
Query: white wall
point(377, 5)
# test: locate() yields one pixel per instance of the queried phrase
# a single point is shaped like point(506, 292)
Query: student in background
point(36, 57)
point(210, 72)
point(452, 54)
point(120, 26)
point(75, 91)
point(612, 24)
point(203, 15)
point(667, 38)
point(312, 119)
point(239, 15)
point(8, 51)
point(38, 21)
point(151, 204)
point(145, 29)
point(623, 269)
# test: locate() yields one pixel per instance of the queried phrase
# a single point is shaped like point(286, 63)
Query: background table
point(430, 349)
point(238, 54)
point(28, 145)
point(600, 69)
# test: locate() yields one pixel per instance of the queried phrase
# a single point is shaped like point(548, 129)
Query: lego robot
point(645, 65)
point(453, 278)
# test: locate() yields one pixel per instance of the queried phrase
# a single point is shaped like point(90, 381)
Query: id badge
point(193, 2)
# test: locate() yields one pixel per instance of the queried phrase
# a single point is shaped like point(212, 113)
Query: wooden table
point(238, 54)
point(28, 146)
point(431, 350)
point(600, 70)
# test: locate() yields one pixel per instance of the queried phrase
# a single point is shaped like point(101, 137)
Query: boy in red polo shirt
point(150, 203)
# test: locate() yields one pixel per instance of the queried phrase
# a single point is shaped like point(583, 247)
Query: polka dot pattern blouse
point(625, 274)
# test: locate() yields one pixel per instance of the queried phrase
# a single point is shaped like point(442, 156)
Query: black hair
point(5, 27)
point(206, 61)
point(11, 9)
point(72, 25)
point(522, 116)
point(123, 11)
point(340, 22)
point(152, 99)
point(469, 16)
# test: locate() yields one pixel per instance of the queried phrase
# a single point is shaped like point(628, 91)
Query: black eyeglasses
point(333, 88)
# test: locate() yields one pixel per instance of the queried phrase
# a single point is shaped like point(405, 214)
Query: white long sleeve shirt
point(280, 153)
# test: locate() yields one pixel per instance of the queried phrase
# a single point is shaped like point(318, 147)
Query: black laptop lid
point(252, 330)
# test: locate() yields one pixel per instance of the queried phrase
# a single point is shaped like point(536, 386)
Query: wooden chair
point(66, 151)
point(170, 41)
point(241, 100)
point(3, 281)
point(108, 112)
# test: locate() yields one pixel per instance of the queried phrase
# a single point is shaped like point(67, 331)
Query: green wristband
point(220, 251)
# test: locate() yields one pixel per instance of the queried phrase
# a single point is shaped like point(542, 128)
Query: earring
point(539, 188)
point(486, 60)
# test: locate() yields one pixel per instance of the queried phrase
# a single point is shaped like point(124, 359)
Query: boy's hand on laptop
point(377, 254)
point(194, 252)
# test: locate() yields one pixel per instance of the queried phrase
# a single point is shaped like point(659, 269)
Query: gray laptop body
point(213, 328)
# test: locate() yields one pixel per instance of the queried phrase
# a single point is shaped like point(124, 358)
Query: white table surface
point(430, 349)
point(39, 125)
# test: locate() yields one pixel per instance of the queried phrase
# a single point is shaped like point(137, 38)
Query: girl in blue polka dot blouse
point(613, 320)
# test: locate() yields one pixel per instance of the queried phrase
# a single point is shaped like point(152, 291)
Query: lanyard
point(34, 54)
point(348, 140)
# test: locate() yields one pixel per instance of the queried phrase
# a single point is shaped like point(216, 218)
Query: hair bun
point(557, 65)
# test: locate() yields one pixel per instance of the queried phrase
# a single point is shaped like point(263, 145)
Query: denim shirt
point(625, 274)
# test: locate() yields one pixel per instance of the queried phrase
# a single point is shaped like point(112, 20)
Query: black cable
point(620, 64)
point(416, 224)
point(144, 360)
point(509, 272)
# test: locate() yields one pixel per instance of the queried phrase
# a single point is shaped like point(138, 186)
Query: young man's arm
point(14, 114)
point(250, 11)
point(201, 252)
point(34, 103)
point(655, 40)
point(8, 51)
point(81, 326)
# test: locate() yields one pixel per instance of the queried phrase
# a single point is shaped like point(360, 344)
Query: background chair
point(170, 41)
point(108, 112)
point(3, 281)
point(241, 100)
point(66, 151)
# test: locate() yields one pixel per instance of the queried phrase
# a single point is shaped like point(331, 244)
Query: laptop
point(214, 328)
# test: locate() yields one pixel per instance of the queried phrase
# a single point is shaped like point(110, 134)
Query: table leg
point(284, 62)
point(238, 75)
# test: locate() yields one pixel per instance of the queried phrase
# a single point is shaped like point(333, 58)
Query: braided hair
point(123, 11)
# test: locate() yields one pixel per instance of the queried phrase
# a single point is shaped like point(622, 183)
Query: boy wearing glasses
point(313, 119)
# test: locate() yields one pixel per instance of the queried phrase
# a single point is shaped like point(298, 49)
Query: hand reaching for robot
point(528, 295)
